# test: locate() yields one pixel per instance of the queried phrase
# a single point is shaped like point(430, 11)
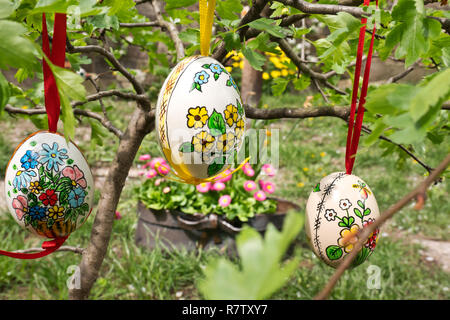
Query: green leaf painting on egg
point(239, 107)
point(216, 166)
point(216, 124)
point(334, 252)
point(186, 147)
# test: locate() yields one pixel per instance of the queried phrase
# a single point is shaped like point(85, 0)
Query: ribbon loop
point(206, 9)
point(57, 57)
point(354, 128)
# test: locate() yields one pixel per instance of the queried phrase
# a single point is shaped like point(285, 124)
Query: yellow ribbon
point(206, 9)
point(195, 181)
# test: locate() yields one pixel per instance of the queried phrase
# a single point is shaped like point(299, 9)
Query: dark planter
point(175, 229)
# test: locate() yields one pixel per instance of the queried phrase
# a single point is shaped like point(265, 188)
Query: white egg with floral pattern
point(48, 185)
point(200, 119)
point(337, 208)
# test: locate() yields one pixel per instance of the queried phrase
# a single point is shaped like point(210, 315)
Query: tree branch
point(171, 29)
point(105, 122)
point(140, 24)
point(315, 8)
point(144, 103)
point(419, 193)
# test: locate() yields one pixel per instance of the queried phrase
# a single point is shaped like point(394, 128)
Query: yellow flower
point(225, 142)
point(313, 155)
point(24, 107)
point(300, 184)
point(305, 169)
point(275, 74)
point(348, 238)
point(284, 72)
point(56, 212)
point(229, 69)
point(203, 141)
point(236, 64)
point(265, 76)
point(241, 64)
point(322, 154)
point(239, 130)
point(197, 117)
point(231, 114)
point(35, 187)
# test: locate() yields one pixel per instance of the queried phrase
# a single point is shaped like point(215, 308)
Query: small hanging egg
point(200, 119)
point(49, 186)
point(337, 208)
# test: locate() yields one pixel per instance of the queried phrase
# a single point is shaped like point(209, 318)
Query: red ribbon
point(48, 246)
point(52, 106)
point(354, 129)
point(57, 57)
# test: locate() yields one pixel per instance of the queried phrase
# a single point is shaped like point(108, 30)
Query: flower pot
point(175, 229)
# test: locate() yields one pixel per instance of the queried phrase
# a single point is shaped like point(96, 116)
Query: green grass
point(310, 149)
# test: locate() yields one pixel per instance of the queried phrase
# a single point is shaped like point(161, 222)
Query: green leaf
point(436, 90)
point(4, 92)
point(367, 212)
point(302, 83)
point(361, 204)
point(255, 59)
point(279, 86)
point(52, 6)
point(69, 86)
point(174, 4)
point(261, 273)
point(413, 31)
point(268, 25)
point(16, 50)
point(24, 190)
point(334, 252)
point(6, 8)
point(216, 124)
point(186, 147)
point(229, 9)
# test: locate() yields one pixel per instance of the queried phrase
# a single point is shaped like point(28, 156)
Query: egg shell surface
point(48, 185)
point(200, 118)
point(337, 208)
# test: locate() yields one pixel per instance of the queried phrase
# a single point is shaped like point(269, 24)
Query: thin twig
point(171, 29)
point(76, 250)
point(419, 193)
point(317, 85)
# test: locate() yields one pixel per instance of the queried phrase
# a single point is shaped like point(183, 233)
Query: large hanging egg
point(338, 207)
point(200, 118)
point(49, 186)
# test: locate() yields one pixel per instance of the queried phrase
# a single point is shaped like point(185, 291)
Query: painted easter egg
point(49, 186)
point(338, 207)
point(200, 118)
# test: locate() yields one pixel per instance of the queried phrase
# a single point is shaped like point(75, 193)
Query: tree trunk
point(140, 124)
point(251, 84)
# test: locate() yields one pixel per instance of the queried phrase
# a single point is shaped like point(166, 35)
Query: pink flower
point(218, 186)
point(225, 176)
point(156, 162)
point(268, 187)
point(146, 165)
point(151, 173)
point(158, 181)
point(224, 201)
point(166, 190)
point(247, 166)
point(141, 173)
point(268, 169)
point(260, 196)
point(21, 206)
point(163, 169)
point(203, 187)
point(117, 216)
point(76, 175)
point(145, 157)
point(249, 185)
point(249, 172)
